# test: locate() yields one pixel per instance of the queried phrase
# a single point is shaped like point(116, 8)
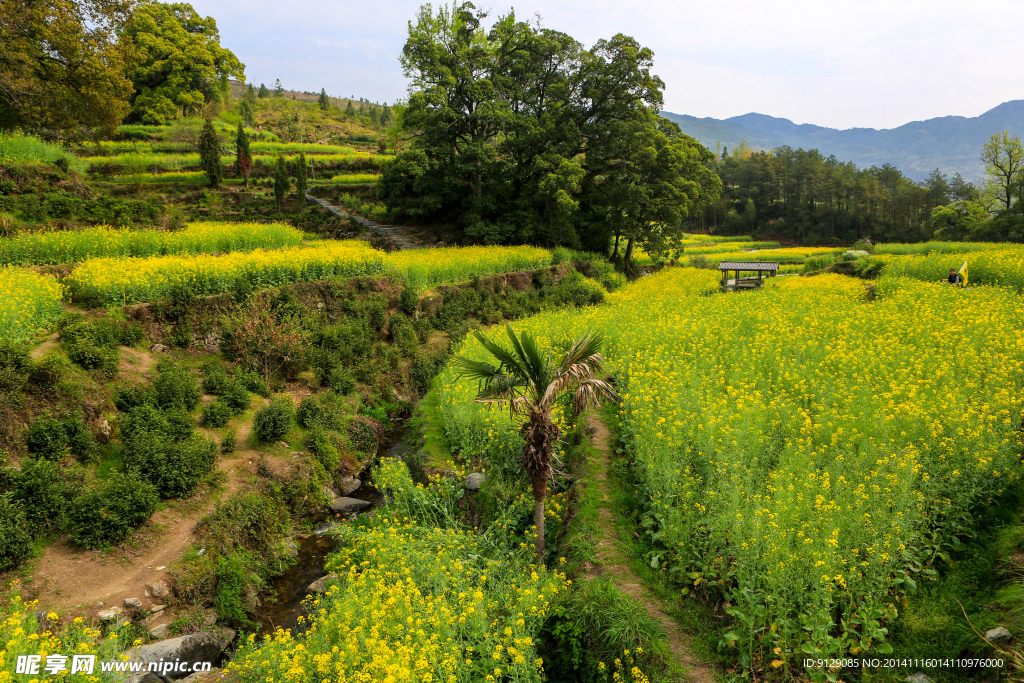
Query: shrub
point(321, 444)
point(44, 494)
point(15, 542)
point(215, 379)
point(180, 424)
point(47, 373)
point(132, 396)
point(14, 365)
point(273, 422)
point(341, 381)
point(91, 357)
point(216, 414)
point(253, 382)
point(227, 444)
point(236, 397)
point(109, 515)
point(403, 334)
point(51, 439)
point(176, 388)
point(310, 412)
point(408, 301)
point(175, 469)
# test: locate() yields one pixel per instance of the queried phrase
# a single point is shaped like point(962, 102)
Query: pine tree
point(209, 153)
point(250, 94)
point(278, 88)
point(301, 170)
point(243, 158)
point(323, 101)
point(245, 109)
point(281, 184)
point(350, 111)
point(264, 93)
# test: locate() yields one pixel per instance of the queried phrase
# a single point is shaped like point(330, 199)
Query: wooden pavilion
point(750, 282)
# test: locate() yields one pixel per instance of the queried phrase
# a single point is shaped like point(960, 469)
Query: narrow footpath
point(615, 566)
point(392, 231)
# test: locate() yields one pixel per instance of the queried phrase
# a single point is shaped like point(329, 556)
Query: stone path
point(393, 232)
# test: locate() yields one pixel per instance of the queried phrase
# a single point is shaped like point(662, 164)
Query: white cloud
point(877, 63)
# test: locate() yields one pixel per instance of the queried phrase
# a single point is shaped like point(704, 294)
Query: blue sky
point(870, 63)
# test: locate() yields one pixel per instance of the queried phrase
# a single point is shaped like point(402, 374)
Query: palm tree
point(530, 382)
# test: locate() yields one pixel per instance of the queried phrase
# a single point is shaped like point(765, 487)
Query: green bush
point(321, 444)
point(227, 444)
point(176, 388)
point(52, 439)
point(403, 334)
point(273, 421)
point(310, 412)
point(253, 382)
point(15, 542)
point(408, 301)
point(233, 579)
point(47, 373)
point(215, 379)
point(91, 357)
point(216, 414)
point(341, 381)
point(180, 424)
point(175, 469)
point(236, 397)
point(15, 363)
point(132, 396)
point(109, 515)
point(44, 491)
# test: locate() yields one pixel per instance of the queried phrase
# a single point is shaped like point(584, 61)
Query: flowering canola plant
point(428, 267)
point(800, 451)
point(120, 281)
point(21, 635)
point(70, 246)
point(1000, 267)
point(415, 602)
point(29, 302)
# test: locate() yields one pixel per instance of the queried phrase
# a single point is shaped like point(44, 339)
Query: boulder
point(475, 480)
point(345, 505)
point(349, 485)
point(103, 431)
point(209, 616)
point(159, 632)
point(320, 585)
point(291, 548)
point(999, 634)
point(156, 609)
point(132, 603)
point(159, 348)
point(157, 589)
point(109, 614)
point(917, 678)
point(205, 646)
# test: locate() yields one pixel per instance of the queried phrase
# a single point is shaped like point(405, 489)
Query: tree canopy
point(181, 67)
point(520, 134)
point(62, 69)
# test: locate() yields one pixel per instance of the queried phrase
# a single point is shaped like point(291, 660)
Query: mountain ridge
point(950, 143)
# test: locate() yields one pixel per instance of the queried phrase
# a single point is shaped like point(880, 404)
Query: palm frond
point(590, 393)
point(586, 347)
point(504, 356)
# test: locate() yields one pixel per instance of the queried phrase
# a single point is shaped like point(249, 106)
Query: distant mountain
point(949, 143)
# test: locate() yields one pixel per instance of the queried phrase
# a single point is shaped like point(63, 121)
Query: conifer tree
point(281, 184)
point(350, 111)
point(243, 158)
point(250, 94)
point(264, 93)
point(324, 103)
point(209, 153)
point(301, 170)
point(278, 88)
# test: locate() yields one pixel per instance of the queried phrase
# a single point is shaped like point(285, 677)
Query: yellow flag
point(963, 272)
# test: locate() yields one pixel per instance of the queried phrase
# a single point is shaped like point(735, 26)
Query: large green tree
point(181, 67)
point(1003, 157)
point(511, 129)
point(62, 68)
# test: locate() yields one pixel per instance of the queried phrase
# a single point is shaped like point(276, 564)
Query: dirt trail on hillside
point(67, 577)
point(615, 566)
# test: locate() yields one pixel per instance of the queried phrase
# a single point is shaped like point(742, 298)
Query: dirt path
point(67, 578)
point(615, 566)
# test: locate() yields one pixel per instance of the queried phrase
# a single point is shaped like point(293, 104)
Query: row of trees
point(805, 196)
point(75, 67)
point(520, 134)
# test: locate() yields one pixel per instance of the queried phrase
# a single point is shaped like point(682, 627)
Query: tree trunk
point(540, 433)
point(627, 260)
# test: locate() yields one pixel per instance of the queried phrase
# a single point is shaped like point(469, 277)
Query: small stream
point(285, 609)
